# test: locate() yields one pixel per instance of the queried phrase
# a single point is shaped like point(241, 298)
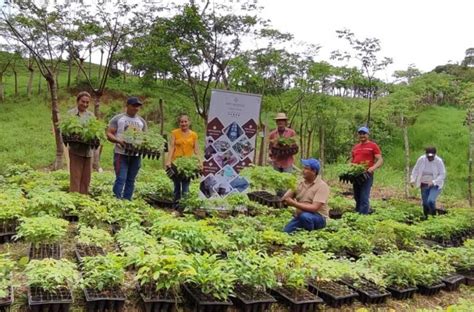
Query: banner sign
point(230, 141)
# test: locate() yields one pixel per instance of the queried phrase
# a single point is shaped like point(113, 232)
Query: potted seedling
point(462, 259)
point(92, 242)
point(148, 143)
point(432, 267)
point(87, 131)
point(44, 234)
point(102, 279)
point(185, 168)
point(12, 207)
point(6, 289)
point(352, 173)
point(284, 147)
point(49, 284)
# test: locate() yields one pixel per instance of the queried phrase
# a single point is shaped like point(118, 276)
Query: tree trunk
point(39, 85)
point(69, 70)
point(407, 155)
point(124, 72)
point(100, 65)
point(309, 143)
point(2, 89)
point(15, 75)
point(322, 156)
point(29, 87)
point(97, 152)
point(90, 60)
point(53, 88)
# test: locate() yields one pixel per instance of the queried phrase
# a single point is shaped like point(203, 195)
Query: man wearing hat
point(281, 163)
point(310, 199)
point(368, 153)
point(126, 166)
point(429, 174)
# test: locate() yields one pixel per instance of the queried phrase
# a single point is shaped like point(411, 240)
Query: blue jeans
point(126, 170)
point(428, 196)
point(362, 195)
point(181, 187)
point(306, 220)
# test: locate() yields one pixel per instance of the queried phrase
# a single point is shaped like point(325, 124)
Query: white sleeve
point(414, 172)
point(442, 173)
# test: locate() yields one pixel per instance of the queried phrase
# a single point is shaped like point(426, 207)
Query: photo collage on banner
point(230, 142)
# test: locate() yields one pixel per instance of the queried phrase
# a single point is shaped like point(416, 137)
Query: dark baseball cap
point(133, 100)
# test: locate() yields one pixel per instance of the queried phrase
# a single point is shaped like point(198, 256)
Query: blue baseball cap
point(363, 129)
point(312, 163)
point(134, 101)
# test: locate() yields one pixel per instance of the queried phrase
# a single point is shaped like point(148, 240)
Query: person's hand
point(290, 201)
point(120, 142)
point(298, 212)
point(371, 169)
point(168, 164)
point(429, 183)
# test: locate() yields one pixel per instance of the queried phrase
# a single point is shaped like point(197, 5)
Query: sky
point(426, 33)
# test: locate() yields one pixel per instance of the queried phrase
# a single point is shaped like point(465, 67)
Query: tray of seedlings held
point(299, 300)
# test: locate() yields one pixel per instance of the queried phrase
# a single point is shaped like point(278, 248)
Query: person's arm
point(112, 136)
point(442, 173)
point(314, 207)
point(378, 163)
point(415, 170)
point(170, 151)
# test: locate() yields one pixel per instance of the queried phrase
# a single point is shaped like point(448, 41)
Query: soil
point(335, 289)
point(251, 294)
point(203, 298)
point(298, 295)
point(88, 251)
point(149, 293)
point(367, 287)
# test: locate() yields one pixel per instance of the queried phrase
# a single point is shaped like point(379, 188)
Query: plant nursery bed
point(334, 294)
point(431, 290)
point(201, 302)
point(158, 202)
point(110, 300)
point(453, 281)
point(43, 251)
point(402, 293)
point(369, 293)
point(153, 301)
point(7, 301)
point(8, 230)
point(247, 300)
point(44, 301)
point(469, 277)
point(83, 250)
point(297, 301)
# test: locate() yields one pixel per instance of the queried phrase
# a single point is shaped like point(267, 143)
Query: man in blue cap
point(126, 166)
point(310, 199)
point(369, 154)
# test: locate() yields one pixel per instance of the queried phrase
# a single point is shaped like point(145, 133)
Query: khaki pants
point(80, 169)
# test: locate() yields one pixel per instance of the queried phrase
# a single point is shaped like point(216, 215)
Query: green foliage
point(340, 203)
point(462, 258)
point(328, 268)
point(253, 269)
point(212, 276)
point(88, 129)
point(390, 235)
point(12, 204)
point(103, 272)
point(6, 268)
point(432, 267)
point(90, 212)
point(350, 170)
point(282, 141)
point(187, 167)
point(346, 240)
point(51, 274)
point(39, 230)
point(94, 237)
point(150, 139)
point(293, 271)
point(154, 183)
point(267, 178)
point(49, 203)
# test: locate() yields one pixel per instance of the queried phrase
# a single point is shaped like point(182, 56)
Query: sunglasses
point(362, 132)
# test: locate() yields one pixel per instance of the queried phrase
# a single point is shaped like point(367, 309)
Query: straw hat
point(281, 116)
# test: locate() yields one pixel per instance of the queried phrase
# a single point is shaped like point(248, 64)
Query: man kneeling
point(310, 199)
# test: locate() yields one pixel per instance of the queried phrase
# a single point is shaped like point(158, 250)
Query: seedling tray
point(142, 152)
point(7, 301)
point(7, 237)
point(284, 150)
point(88, 251)
point(333, 214)
point(325, 290)
point(44, 251)
point(43, 301)
point(369, 293)
point(152, 301)
point(266, 198)
point(159, 202)
point(453, 281)
point(402, 293)
point(246, 301)
point(75, 138)
point(469, 275)
point(302, 301)
point(110, 300)
point(7, 230)
point(200, 302)
point(431, 290)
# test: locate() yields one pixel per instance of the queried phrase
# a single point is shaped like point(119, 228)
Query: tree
point(365, 51)
point(468, 58)
point(468, 100)
point(5, 61)
point(41, 33)
point(407, 75)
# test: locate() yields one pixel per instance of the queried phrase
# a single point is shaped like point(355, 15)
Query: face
point(83, 103)
point(363, 137)
point(184, 122)
point(430, 158)
point(308, 173)
point(132, 110)
point(281, 124)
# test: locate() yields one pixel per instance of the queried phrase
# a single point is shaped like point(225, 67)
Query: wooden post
point(162, 129)
point(404, 125)
point(471, 152)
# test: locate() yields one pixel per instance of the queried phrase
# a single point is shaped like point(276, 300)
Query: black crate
point(321, 288)
point(43, 301)
point(369, 293)
point(43, 251)
point(307, 301)
point(8, 230)
point(431, 290)
point(110, 300)
point(197, 304)
point(402, 293)
point(152, 301)
point(453, 281)
point(258, 301)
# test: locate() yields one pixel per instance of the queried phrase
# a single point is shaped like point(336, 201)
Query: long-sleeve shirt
point(424, 168)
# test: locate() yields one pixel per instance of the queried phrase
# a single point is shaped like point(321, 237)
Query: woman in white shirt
point(429, 174)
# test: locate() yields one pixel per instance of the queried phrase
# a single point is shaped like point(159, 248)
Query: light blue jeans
point(126, 170)
point(429, 194)
point(306, 220)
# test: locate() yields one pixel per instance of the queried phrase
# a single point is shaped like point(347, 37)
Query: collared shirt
point(315, 192)
point(282, 162)
point(79, 149)
point(364, 153)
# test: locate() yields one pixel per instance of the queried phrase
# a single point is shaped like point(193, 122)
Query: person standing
point(281, 163)
point(80, 155)
point(126, 166)
point(183, 143)
point(310, 199)
point(369, 154)
point(429, 174)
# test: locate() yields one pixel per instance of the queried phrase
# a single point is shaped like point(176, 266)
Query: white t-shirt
point(122, 122)
point(427, 174)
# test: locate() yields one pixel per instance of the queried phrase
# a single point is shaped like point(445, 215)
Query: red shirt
point(284, 162)
point(365, 153)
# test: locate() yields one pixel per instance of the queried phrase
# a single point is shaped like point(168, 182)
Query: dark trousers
point(306, 220)
point(362, 195)
point(126, 170)
point(181, 187)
